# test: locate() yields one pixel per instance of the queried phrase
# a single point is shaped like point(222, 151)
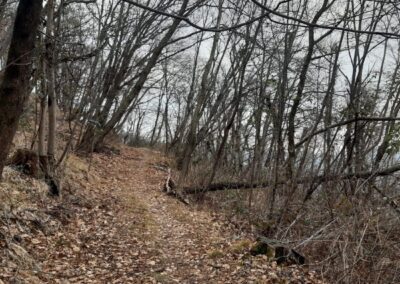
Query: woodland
point(281, 115)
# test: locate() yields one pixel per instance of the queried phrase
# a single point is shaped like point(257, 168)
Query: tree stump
point(28, 162)
point(31, 164)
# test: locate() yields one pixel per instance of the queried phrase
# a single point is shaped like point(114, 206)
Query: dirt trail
point(128, 231)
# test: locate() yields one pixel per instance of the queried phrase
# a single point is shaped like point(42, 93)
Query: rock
point(76, 248)
point(262, 248)
point(35, 241)
point(276, 250)
point(22, 257)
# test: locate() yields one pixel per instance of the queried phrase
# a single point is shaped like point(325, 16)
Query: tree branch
point(339, 124)
point(325, 27)
point(188, 21)
point(263, 15)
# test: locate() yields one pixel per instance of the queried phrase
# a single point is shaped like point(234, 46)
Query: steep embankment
point(114, 225)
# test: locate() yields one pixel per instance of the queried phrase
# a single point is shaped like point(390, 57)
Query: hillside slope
point(115, 225)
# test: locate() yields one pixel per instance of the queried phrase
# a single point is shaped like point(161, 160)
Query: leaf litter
point(115, 225)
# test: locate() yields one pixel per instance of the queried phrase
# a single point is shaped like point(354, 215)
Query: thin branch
point(263, 15)
point(339, 124)
point(320, 26)
point(185, 19)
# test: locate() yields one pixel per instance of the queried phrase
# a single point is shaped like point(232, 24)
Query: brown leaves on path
point(131, 232)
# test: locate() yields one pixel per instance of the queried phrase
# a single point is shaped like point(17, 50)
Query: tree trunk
point(50, 82)
point(15, 84)
point(42, 123)
point(191, 139)
point(43, 111)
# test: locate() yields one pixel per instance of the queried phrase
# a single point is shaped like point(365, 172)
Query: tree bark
point(50, 82)
point(3, 4)
point(15, 84)
point(43, 111)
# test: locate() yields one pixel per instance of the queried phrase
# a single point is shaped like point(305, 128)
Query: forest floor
point(115, 225)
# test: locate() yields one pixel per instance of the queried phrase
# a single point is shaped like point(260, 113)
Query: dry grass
point(76, 164)
point(216, 254)
point(347, 238)
point(16, 189)
point(241, 246)
point(134, 207)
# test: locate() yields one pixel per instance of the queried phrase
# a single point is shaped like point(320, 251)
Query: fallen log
point(313, 179)
point(225, 185)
